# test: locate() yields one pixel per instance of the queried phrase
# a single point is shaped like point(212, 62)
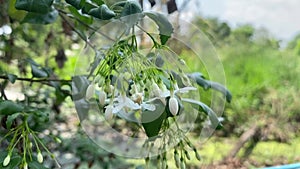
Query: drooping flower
point(125, 103)
point(102, 97)
point(109, 112)
point(90, 91)
point(173, 106)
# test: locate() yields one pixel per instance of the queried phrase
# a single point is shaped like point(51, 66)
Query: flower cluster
point(24, 136)
point(115, 99)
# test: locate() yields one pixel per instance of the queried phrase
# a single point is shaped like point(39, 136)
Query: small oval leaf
point(102, 12)
point(40, 6)
point(8, 107)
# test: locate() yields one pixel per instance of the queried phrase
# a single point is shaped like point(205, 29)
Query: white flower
point(6, 160)
point(40, 157)
point(138, 98)
point(173, 106)
point(102, 97)
point(109, 112)
point(162, 95)
point(90, 91)
point(124, 103)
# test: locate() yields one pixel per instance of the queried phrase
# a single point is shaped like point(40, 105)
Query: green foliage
point(164, 26)
point(102, 12)
point(42, 6)
point(38, 47)
point(37, 18)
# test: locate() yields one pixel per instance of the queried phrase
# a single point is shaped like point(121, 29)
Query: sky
point(280, 17)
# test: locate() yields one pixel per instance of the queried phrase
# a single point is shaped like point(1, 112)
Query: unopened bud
point(187, 155)
point(182, 164)
point(108, 112)
point(90, 91)
point(176, 158)
point(156, 90)
point(102, 98)
point(57, 140)
point(25, 166)
point(197, 155)
point(173, 106)
point(40, 157)
point(6, 160)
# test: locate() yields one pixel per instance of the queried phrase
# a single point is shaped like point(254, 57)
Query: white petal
point(185, 89)
point(102, 97)
point(173, 106)
point(109, 112)
point(90, 91)
point(150, 107)
point(130, 104)
point(117, 108)
point(156, 90)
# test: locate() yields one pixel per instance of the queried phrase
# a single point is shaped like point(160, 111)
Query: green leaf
point(38, 72)
point(37, 18)
point(38, 6)
point(222, 89)
point(78, 4)
point(87, 7)
point(207, 110)
point(82, 108)
point(164, 26)
point(79, 86)
point(98, 2)
point(10, 120)
point(14, 13)
point(8, 107)
point(83, 18)
point(131, 14)
point(102, 12)
point(152, 120)
point(130, 8)
point(12, 78)
point(206, 84)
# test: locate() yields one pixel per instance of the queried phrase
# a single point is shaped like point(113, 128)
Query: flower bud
point(57, 140)
point(40, 157)
point(90, 91)
point(6, 160)
point(108, 112)
point(25, 166)
point(187, 154)
point(173, 106)
point(156, 90)
point(197, 155)
point(182, 164)
point(176, 158)
point(102, 97)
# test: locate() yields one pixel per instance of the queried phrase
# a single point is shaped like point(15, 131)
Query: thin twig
point(38, 80)
point(88, 26)
point(79, 34)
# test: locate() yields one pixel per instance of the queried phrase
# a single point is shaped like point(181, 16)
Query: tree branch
point(38, 80)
